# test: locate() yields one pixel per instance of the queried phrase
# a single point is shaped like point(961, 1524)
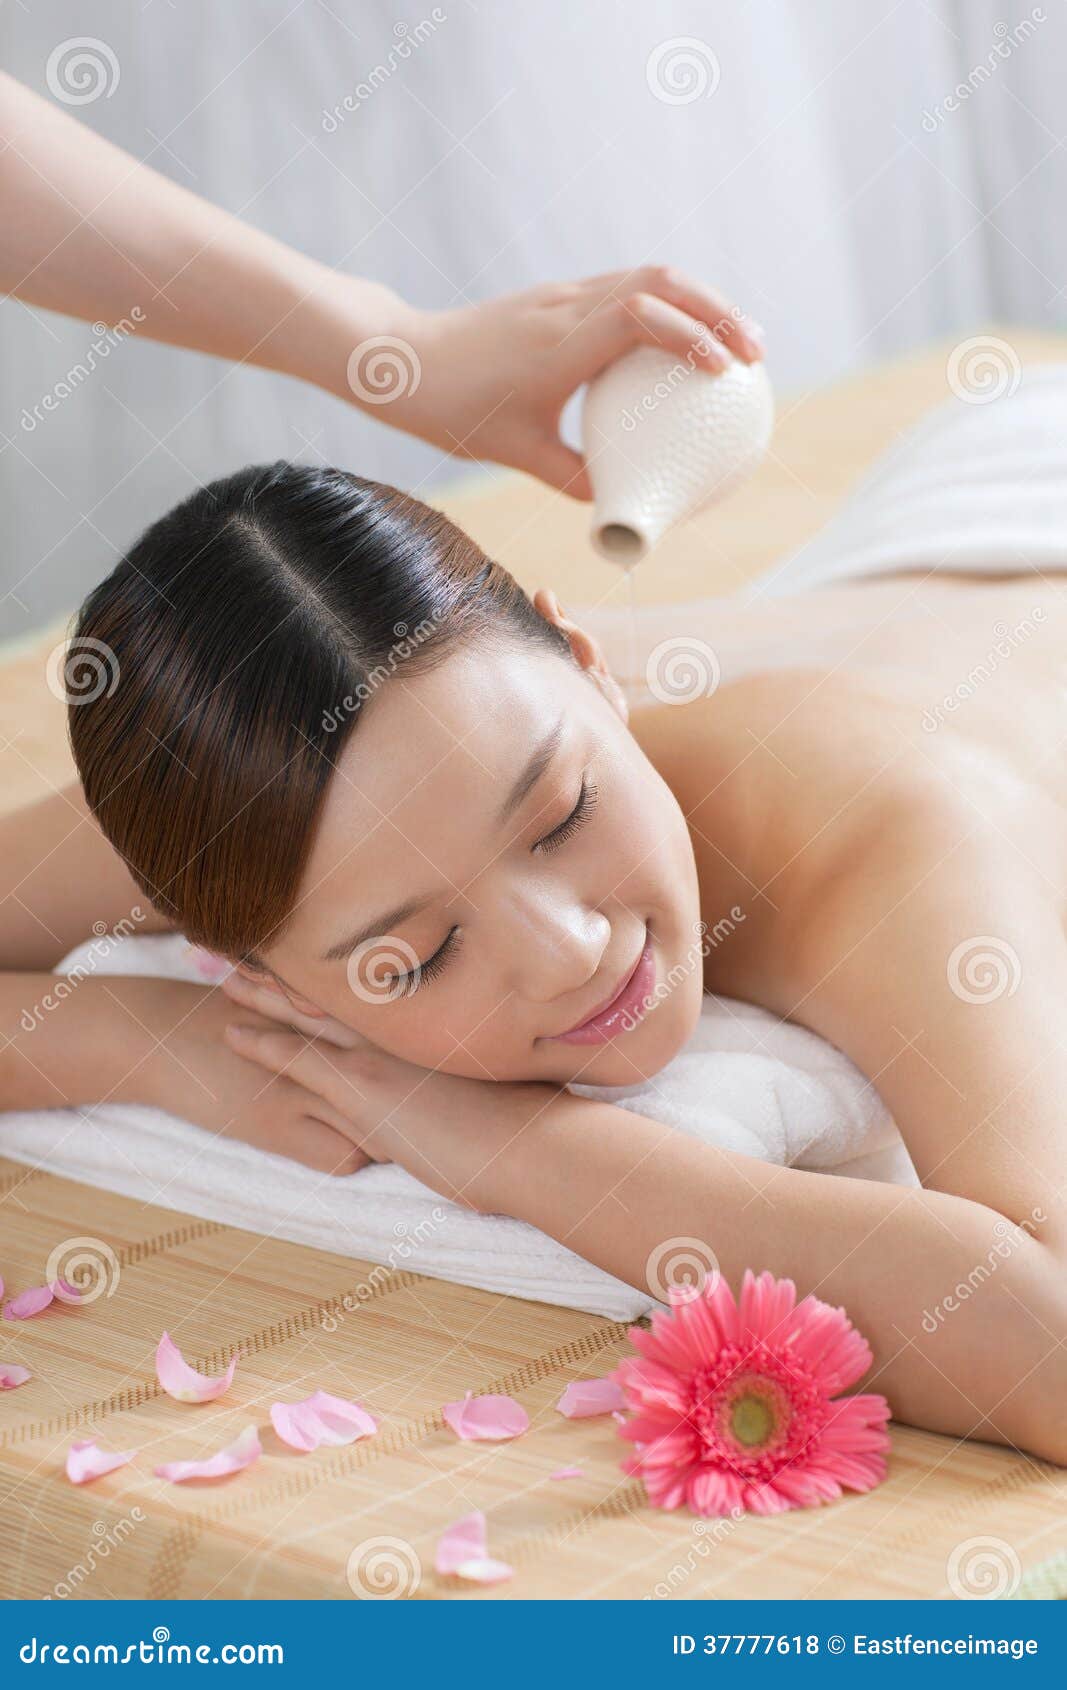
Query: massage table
point(362, 1521)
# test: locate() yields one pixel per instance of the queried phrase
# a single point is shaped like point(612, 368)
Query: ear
point(269, 982)
point(585, 649)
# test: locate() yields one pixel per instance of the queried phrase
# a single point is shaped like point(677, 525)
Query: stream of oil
point(630, 685)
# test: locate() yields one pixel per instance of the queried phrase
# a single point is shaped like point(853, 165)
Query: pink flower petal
point(568, 1473)
point(181, 1381)
point(233, 1459)
point(464, 1541)
point(586, 1397)
point(485, 1571)
point(490, 1416)
point(29, 1303)
point(64, 1292)
point(320, 1419)
point(11, 1375)
point(462, 1550)
point(87, 1461)
point(207, 964)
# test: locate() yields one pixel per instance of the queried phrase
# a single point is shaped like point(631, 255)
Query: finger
point(299, 1059)
point(640, 319)
point(305, 1139)
point(556, 464)
point(726, 323)
point(273, 1005)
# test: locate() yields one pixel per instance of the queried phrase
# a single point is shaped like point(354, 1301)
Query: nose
point(556, 943)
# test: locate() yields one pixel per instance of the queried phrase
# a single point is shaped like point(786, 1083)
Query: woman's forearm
point(91, 232)
point(68, 1040)
point(617, 1189)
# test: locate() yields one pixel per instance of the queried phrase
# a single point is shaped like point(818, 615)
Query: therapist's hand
point(490, 381)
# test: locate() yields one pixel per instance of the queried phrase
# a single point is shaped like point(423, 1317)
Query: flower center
point(751, 1420)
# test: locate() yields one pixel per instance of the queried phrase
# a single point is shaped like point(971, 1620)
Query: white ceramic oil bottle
point(662, 439)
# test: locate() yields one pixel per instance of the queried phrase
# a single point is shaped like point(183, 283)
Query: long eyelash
point(582, 810)
point(407, 984)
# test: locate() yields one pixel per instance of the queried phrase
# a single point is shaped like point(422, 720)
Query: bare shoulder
point(812, 785)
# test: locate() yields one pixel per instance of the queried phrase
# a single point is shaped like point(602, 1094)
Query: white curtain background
point(811, 169)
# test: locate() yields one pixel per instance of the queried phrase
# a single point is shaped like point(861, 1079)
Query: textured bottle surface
point(663, 439)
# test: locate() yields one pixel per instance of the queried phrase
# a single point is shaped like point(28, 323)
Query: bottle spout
point(621, 543)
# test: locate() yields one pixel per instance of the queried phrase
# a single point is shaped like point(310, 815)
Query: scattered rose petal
point(462, 1550)
point(11, 1375)
point(320, 1419)
point(236, 1456)
point(586, 1397)
point(486, 1417)
point(1, 1284)
point(465, 1541)
point(568, 1473)
point(207, 964)
point(29, 1303)
point(485, 1571)
point(181, 1381)
point(87, 1461)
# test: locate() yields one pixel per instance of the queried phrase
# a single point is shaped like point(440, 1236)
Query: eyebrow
point(527, 780)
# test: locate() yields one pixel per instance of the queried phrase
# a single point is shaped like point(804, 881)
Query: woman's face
point(497, 861)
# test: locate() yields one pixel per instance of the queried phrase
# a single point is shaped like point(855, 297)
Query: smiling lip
point(620, 1011)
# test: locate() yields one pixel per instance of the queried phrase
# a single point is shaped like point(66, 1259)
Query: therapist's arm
point(88, 231)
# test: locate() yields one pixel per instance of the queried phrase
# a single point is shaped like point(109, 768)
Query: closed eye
point(404, 985)
point(583, 809)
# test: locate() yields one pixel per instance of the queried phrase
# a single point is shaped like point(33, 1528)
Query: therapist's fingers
point(618, 325)
point(558, 465)
point(725, 322)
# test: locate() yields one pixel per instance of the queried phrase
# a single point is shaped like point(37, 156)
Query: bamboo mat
point(364, 1520)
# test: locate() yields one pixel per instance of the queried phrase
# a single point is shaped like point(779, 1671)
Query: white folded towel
point(978, 485)
point(746, 1081)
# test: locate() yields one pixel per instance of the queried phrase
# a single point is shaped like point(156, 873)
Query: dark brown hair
point(243, 635)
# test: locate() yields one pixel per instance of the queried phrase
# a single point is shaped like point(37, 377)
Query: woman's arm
point(621, 1190)
point(61, 882)
point(87, 230)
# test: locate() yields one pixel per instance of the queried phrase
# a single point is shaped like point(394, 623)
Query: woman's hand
point(191, 1070)
point(446, 1130)
point(490, 381)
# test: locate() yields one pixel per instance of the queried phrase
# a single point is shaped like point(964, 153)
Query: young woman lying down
point(346, 752)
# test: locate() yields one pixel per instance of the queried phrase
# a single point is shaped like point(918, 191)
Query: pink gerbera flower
point(733, 1402)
